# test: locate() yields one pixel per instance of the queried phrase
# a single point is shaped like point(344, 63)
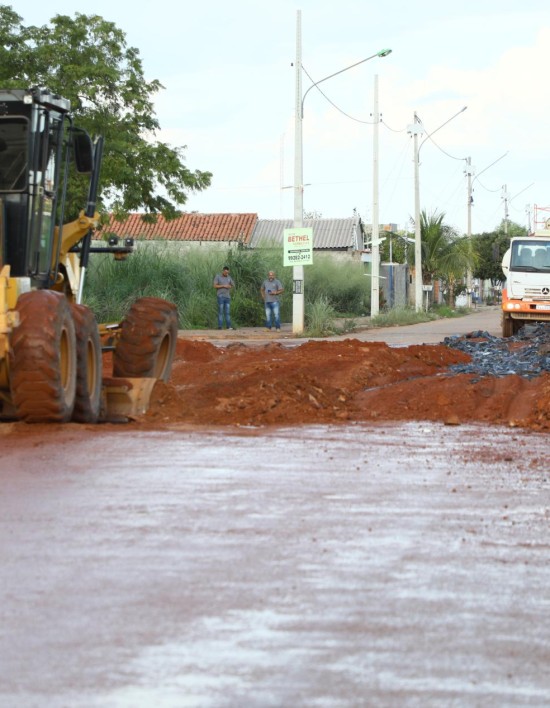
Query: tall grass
point(186, 279)
point(319, 317)
point(342, 283)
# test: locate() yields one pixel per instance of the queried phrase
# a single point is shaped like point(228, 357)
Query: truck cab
point(526, 295)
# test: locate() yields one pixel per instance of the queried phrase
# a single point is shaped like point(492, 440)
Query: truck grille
point(536, 294)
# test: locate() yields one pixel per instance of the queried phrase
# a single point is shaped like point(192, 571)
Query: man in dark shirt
point(223, 283)
point(271, 290)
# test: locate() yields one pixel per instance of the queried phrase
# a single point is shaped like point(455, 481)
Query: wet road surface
point(323, 566)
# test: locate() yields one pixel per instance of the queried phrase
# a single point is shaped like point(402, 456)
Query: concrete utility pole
point(469, 231)
point(507, 201)
point(298, 271)
point(415, 130)
point(505, 198)
point(375, 234)
point(298, 308)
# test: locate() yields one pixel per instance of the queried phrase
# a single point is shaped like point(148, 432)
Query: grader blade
point(126, 398)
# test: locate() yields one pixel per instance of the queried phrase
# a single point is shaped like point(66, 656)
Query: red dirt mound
point(343, 381)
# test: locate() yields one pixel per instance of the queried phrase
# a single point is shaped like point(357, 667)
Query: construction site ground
point(326, 523)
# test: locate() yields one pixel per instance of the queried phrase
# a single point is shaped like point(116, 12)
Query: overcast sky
point(230, 98)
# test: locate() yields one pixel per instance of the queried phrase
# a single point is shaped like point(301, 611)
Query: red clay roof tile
point(187, 227)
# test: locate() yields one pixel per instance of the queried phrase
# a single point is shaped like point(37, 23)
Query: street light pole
point(298, 271)
point(298, 307)
point(375, 233)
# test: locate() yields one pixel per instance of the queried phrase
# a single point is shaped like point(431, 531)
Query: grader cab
point(51, 347)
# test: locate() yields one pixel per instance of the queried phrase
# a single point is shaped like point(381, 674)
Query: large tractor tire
point(89, 366)
point(147, 341)
point(43, 359)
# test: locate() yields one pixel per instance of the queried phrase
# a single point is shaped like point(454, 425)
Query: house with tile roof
point(342, 237)
point(191, 229)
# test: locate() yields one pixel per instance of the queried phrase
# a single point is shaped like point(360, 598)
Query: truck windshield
point(14, 158)
point(530, 255)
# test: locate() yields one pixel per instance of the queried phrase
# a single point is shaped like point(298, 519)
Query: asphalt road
point(484, 318)
point(323, 566)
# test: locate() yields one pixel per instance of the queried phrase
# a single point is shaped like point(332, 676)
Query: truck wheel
point(507, 325)
point(147, 341)
point(517, 325)
point(43, 359)
point(89, 366)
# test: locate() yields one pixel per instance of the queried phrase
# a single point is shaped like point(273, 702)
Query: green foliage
point(186, 278)
point(437, 238)
point(490, 247)
point(319, 317)
point(87, 60)
point(346, 326)
point(395, 248)
point(447, 311)
point(343, 283)
point(111, 286)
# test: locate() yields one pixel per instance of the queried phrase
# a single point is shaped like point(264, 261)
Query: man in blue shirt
point(271, 290)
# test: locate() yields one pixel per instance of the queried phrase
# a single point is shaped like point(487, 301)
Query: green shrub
point(319, 317)
point(186, 278)
point(447, 311)
point(343, 283)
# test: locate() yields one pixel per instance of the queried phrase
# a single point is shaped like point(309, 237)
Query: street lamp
point(298, 270)
point(415, 129)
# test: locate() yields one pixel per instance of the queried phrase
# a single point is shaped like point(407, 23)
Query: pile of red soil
point(344, 381)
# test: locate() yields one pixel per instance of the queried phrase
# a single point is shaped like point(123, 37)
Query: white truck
point(526, 266)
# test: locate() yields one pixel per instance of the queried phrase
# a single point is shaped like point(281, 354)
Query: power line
point(393, 130)
point(357, 120)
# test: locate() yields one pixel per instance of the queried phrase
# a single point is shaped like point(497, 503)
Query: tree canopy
point(86, 60)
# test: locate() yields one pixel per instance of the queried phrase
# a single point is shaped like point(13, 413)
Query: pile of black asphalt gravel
point(497, 356)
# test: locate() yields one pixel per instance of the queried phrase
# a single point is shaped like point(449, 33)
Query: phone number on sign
point(300, 257)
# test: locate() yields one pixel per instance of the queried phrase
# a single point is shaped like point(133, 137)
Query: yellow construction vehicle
point(51, 347)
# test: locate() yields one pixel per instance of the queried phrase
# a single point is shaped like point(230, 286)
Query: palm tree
point(460, 257)
point(445, 255)
point(435, 237)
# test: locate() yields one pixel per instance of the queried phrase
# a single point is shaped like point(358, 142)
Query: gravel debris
point(526, 354)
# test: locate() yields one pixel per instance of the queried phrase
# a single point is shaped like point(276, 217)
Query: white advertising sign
point(298, 247)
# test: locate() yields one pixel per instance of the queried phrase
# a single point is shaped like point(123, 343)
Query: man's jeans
point(272, 308)
point(223, 310)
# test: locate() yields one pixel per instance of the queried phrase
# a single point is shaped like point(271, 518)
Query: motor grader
point(52, 349)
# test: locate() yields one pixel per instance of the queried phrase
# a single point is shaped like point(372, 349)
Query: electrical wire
point(487, 188)
point(444, 151)
point(357, 120)
point(393, 130)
